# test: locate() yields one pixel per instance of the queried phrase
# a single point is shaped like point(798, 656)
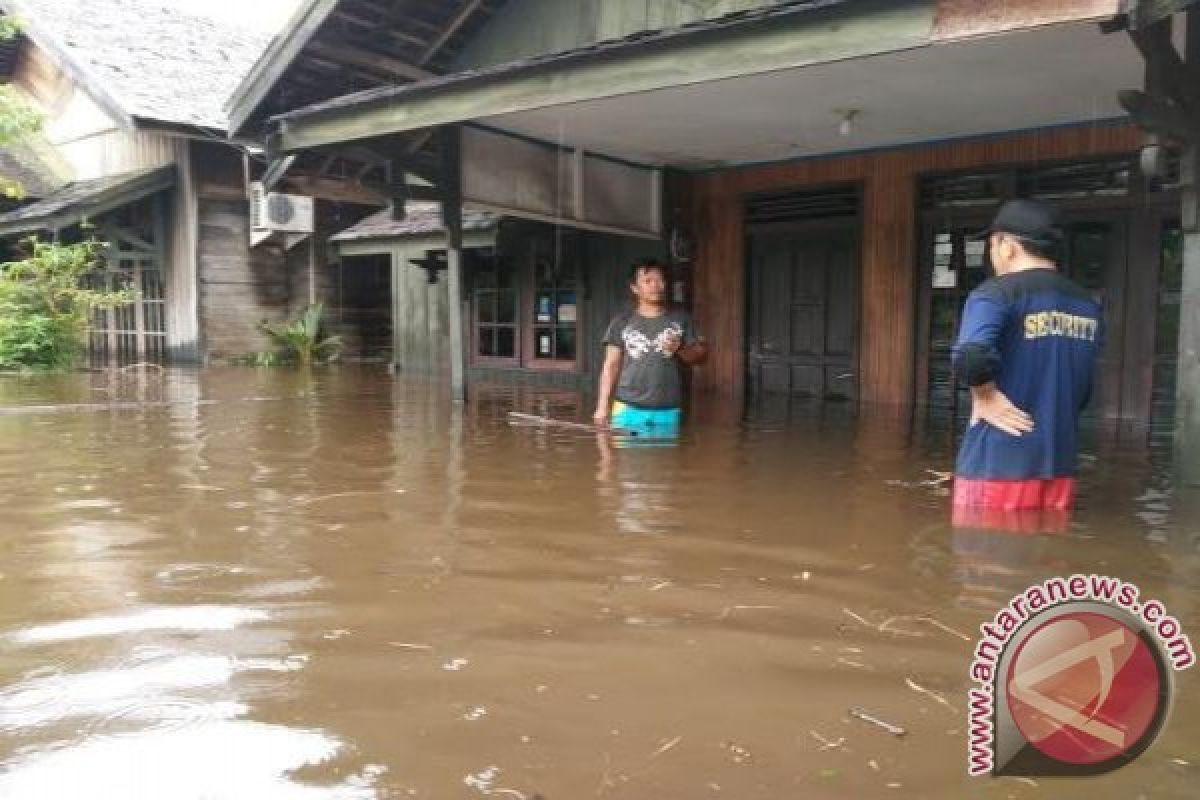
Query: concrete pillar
point(1187, 409)
point(458, 354)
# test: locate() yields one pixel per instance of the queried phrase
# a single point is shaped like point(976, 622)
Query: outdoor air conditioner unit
point(279, 217)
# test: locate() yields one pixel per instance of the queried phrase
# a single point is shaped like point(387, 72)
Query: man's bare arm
point(608, 384)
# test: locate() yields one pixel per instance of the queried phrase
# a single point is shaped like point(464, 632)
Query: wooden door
point(803, 320)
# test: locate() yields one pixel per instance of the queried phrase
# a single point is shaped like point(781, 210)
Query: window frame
point(477, 326)
point(530, 324)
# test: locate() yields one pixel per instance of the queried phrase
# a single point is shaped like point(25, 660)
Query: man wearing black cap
point(1027, 347)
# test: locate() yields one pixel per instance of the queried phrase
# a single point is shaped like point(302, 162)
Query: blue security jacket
point(1040, 335)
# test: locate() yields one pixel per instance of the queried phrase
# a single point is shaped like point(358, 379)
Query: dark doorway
point(363, 313)
point(802, 337)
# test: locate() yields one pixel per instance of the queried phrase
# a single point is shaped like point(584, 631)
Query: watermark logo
point(1074, 678)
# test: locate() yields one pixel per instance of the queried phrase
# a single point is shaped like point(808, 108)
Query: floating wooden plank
point(83, 408)
point(533, 420)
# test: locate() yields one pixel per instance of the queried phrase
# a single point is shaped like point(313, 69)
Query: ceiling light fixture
point(846, 126)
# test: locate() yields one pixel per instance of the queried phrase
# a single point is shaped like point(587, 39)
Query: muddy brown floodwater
point(260, 584)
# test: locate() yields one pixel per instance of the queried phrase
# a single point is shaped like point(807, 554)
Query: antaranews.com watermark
point(1073, 678)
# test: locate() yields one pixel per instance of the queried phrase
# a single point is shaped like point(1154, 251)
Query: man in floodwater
point(1027, 349)
point(646, 348)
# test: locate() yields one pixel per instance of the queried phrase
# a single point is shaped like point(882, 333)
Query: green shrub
point(44, 307)
point(302, 341)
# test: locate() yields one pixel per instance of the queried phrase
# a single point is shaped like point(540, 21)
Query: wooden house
point(810, 166)
point(131, 92)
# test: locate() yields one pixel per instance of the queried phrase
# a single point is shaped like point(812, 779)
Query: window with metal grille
point(963, 191)
point(132, 259)
point(802, 206)
point(1090, 179)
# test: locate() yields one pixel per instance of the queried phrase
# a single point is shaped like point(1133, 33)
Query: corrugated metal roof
point(421, 219)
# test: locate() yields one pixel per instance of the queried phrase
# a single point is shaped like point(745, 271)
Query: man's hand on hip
point(993, 407)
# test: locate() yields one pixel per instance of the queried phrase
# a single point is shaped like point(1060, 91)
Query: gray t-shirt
point(649, 377)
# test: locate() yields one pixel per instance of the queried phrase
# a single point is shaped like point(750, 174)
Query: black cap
point(1026, 219)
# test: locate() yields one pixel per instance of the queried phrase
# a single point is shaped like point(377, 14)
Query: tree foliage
point(18, 118)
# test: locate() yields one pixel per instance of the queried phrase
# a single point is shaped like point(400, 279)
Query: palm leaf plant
point(303, 339)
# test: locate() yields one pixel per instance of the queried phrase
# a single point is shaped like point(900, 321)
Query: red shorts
point(1050, 494)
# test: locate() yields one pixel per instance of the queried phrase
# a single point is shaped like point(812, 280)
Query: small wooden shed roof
point(82, 200)
point(421, 219)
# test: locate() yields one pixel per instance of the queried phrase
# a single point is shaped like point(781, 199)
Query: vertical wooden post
point(317, 259)
point(1187, 409)
point(450, 147)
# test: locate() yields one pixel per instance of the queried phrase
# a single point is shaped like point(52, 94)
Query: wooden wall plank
point(960, 19)
point(238, 285)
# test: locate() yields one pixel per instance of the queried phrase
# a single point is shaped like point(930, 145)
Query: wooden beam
point(368, 59)
point(1151, 12)
point(376, 27)
point(1152, 114)
point(425, 194)
point(326, 164)
point(398, 192)
point(412, 191)
point(460, 19)
point(276, 170)
point(341, 191)
point(354, 19)
point(380, 153)
point(364, 154)
point(1164, 61)
point(364, 170)
point(410, 18)
point(407, 159)
point(801, 39)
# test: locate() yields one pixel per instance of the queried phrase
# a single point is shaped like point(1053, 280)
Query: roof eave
point(182, 130)
point(112, 198)
point(826, 30)
point(274, 62)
